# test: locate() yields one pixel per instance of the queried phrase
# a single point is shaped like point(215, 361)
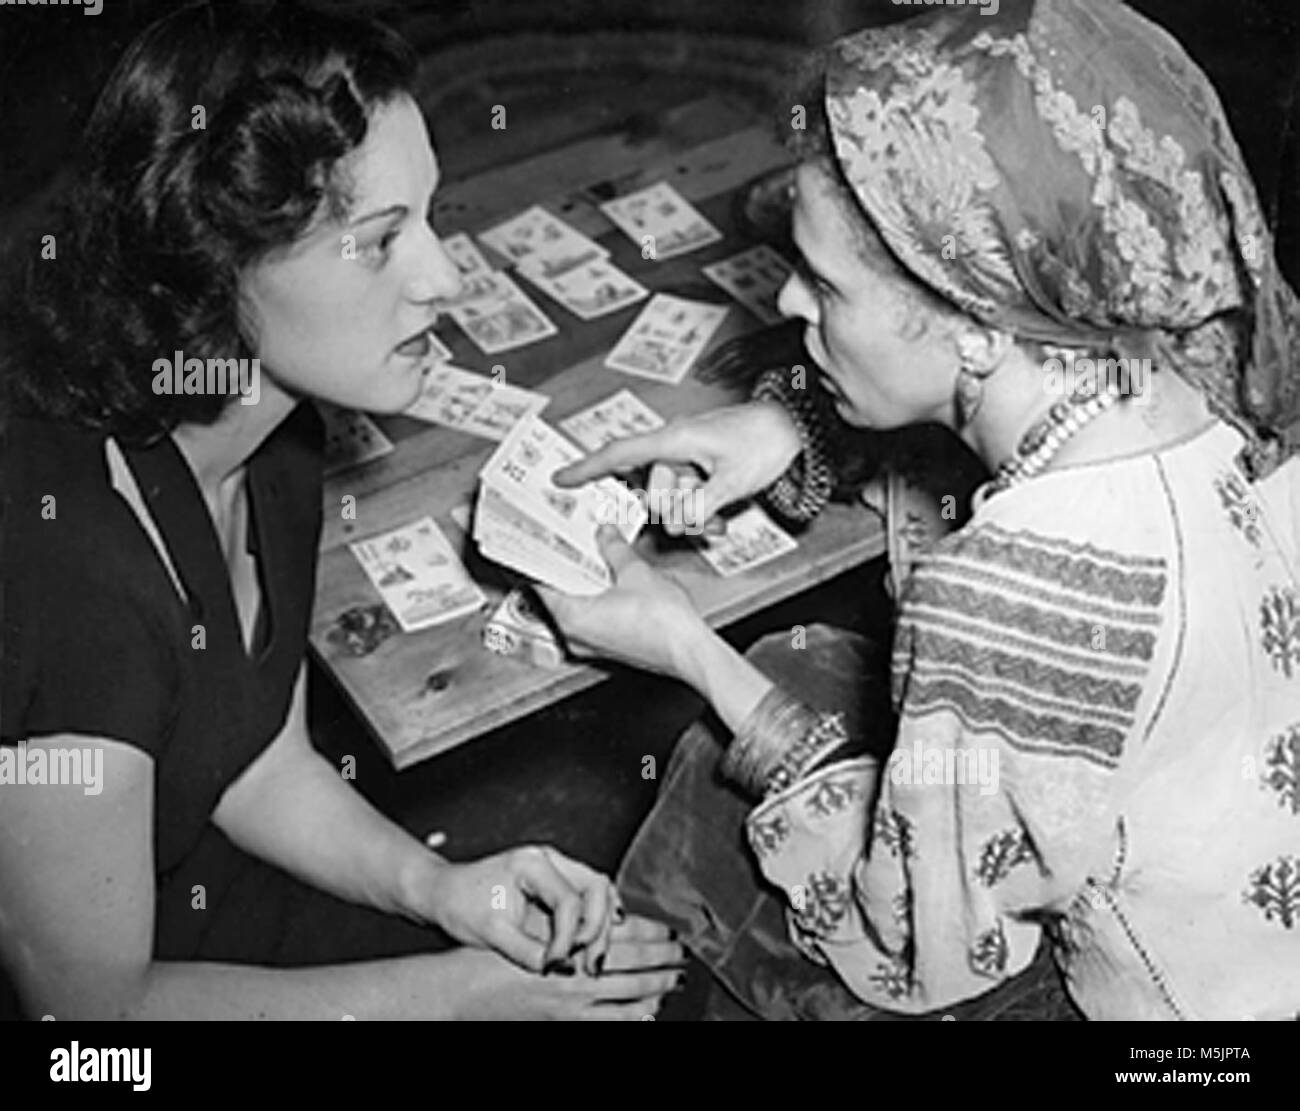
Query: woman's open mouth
point(418, 346)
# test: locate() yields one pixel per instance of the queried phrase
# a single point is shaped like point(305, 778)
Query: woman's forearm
point(775, 737)
point(305, 818)
point(428, 986)
point(723, 677)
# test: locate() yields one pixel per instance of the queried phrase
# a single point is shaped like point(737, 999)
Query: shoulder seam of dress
point(1180, 565)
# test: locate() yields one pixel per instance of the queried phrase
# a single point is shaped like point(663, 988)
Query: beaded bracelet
point(759, 743)
point(825, 737)
point(805, 488)
point(781, 739)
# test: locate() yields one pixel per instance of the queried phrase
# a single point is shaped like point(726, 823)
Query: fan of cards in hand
point(525, 522)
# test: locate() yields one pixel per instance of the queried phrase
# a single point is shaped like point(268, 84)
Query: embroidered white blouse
point(1098, 683)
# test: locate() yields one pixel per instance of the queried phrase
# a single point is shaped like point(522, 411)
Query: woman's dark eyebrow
point(384, 213)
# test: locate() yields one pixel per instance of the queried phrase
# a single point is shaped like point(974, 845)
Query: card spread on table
point(351, 438)
point(465, 254)
point(545, 240)
point(475, 273)
point(419, 575)
point(589, 290)
point(752, 539)
point(754, 278)
point(659, 211)
point(500, 316)
point(457, 398)
point(666, 338)
point(449, 395)
point(480, 286)
point(503, 408)
point(620, 415)
point(525, 522)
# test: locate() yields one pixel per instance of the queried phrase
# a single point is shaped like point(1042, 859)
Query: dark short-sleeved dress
point(98, 641)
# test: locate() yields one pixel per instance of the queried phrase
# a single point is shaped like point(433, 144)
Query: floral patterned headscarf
point(1062, 170)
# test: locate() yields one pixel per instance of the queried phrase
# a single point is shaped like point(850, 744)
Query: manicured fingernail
point(600, 964)
point(558, 967)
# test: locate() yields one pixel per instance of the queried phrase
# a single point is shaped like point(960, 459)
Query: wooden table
point(424, 693)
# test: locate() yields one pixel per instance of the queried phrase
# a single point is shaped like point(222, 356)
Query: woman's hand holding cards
point(645, 620)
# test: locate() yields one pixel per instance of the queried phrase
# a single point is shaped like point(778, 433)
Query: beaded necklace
point(1046, 437)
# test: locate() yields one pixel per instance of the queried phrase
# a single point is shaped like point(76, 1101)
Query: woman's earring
point(970, 381)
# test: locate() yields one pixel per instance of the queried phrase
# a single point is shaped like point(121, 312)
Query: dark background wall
point(53, 61)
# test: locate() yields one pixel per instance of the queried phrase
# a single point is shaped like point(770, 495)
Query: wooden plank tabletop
point(427, 692)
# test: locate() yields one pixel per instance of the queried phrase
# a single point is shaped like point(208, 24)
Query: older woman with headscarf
point(1097, 677)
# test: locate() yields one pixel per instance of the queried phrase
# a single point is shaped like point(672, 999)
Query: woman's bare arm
point(77, 911)
point(293, 809)
point(77, 923)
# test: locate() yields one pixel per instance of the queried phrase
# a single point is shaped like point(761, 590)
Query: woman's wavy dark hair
point(165, 213)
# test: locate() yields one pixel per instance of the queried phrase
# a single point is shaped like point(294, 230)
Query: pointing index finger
point(620, 455)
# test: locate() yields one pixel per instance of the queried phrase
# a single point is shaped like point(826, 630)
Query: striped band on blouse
point(1046, 643)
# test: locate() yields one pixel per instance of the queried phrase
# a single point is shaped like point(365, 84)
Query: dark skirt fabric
point(691, 867)
point(257, 914)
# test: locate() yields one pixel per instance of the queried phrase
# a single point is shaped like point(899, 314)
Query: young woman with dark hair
point(159, 557)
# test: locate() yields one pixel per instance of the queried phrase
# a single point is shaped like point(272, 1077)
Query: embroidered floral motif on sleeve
point(1242, 509)
point(1275, 889)
point(822, 904)
point(767, 836)
point(1280, 619)
point(1001, 853)
point(893, 978)
point(894, 831)
point(1282, 769)
point(831, 796)
point(988, 953)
